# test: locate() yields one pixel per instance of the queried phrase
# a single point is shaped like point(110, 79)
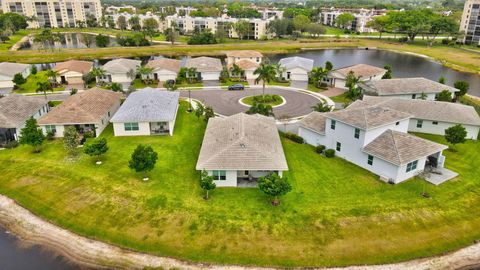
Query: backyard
point(336, 214)
point(31, 85)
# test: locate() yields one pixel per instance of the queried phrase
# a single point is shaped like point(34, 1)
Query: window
point(130, 126)
point(51, 128)
point(357, 133)
point(397, 123)
point(435, 123)
point(219, 175)
point(412, 166)
point(332, 124)
point(414, 96)
point(370, 160)
point(339, 146)
point(419, 123)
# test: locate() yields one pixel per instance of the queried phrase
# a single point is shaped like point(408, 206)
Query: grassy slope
point(337, 213)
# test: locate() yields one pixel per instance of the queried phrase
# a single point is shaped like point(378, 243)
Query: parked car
point(237, 86)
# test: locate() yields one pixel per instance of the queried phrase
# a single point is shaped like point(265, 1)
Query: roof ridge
point(395, 146)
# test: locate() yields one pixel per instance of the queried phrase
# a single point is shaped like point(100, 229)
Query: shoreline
point(33, 230)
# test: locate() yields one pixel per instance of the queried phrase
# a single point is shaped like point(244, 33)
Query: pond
point(403, 65)
point(67, 41)
point(13, 257)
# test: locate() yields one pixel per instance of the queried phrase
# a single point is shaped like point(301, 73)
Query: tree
point(281, 27)
point(171, 33)
point(87, 39)
point(445, 95)
point(33, 70)
point(463, 86)
point(328, 65)
point(12, 22)
point(200, 110)
point(208, 113)
point(322, 107)
point(412, 22)
point(455, 134)
point(18, 79)
point(91, 20)
point(134, 23)
point(71, 140)
point(388, 74)
point(317, 75)
point(315, 29)
point(143, 159)
point(44, 87)
point(52, 75)
point(242, 28)
point(206, 183)
point(442, 80)
point(32, 135)
point(96, 148)
point(110, 23)
point(97, 73)
point(116, 87)
point(144, 72)
point(441, 24)
point(300, 22)
point(344, 20)
point(102, 41)
point(260, 108)
point(351, 80)
point(379, 23)
point(202, 37)
point(122, 22)
point(236, 71)
point(150, 27)
point(266, 73)
point(274, 186)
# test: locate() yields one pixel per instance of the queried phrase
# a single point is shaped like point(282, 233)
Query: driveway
point(226, 102)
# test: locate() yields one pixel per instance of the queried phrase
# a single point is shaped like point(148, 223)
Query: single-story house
point(208, 68)
point(410, 88)
point(147, 112)
point(248, 68)
point(164, 69)
point(431, 117)
point(337, 77)
point(240, 55)
point(71, 72)
point(14, 112)
point(238, 149)
point(88, 111)
point(374, 138)
point(296, 68)
point(121, 71)
point(8, 71)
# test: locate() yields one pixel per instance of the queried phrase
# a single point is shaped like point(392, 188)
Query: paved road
point(226, 102)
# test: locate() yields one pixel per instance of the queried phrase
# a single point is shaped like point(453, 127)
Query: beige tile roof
point(74, 65)
point(16, 109)
point(205, 64)
point(315, 121)
point(243, 53)
point(242, 142)
point(245, 64)
point(165, 63)
point(427, 110)
point(86, 107)
point(401, 148)
point(404, 86)
point(368, 117)
point(362, 70)
point(121, 65)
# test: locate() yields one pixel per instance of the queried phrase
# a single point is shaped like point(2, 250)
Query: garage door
point(299, 77)
point(75, 80)
point(166, 77)
point(210, 76)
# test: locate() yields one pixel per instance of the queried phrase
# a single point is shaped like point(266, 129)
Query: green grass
point(139, 84)
point(333, 31)
point(277, 100)
point(230, 82)
point(5, 46)
point(342, 98)
point(187, 84)
point(31, 85)
point(336, 214)
point(279, 83)
point(314, 88)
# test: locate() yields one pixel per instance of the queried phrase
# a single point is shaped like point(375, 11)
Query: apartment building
point(267, 13)
point(362, 17)
point(54, 13)
point(470, 23)
point(142, 17)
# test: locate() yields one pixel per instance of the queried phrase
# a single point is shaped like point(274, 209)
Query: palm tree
point(144, 72)
point(52, 75)
point(235, 70)
point(97, 72)
point(317, 74)
point(266, 73)
point(44, 87)
point(279, 69)
point(191, 73)
point(322, 107)
point(132, 74)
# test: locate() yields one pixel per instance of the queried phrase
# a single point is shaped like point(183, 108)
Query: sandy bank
point(32, 229)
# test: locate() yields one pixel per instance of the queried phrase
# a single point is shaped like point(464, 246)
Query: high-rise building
point(470, 24)
point(54, 13)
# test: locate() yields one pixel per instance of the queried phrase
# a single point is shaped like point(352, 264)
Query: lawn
point(279, 83)
point(139, 84)
point(314, 88)
point(342, 98)
point(31, 85)
point(230, 82)
point(272, 100)
point(336, 214)
point(187, 84)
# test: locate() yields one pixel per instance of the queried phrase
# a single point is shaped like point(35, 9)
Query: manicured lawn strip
point(279, 83)
point(336, 214)
point(230, 82)
point(186, 84)
point(313, 88)
point(249, 100)
point(139, 84)
point(342, 98)
point(31, 85)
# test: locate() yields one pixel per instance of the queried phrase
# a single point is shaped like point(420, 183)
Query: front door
point(63, 79)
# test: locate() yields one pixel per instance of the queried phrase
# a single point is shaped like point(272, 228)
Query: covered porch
point(159, 128)
point(85, 128)
point(249, 178)
point(7, 135)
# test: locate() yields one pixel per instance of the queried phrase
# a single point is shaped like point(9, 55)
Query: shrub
point(294, 137)
point(34, 70)
point(445, 41)
point(88, 134)
point(11, 144)
point(403, 39)
point(330, 153)
point(50, 135)
point(116, 87)
point(320, 148)
point(73, 91)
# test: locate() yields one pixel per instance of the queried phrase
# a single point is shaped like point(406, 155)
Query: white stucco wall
point(439, 129)
point(143, 129)
point(296, 74)
point(41, 112)
point(231, 180)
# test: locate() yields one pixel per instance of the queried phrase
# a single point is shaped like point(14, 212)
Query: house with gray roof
point(121, 71)
point(147, 112)
point(15, 110)
point(409, 88)
point(238, 149)
point(8, 71)
point(296, 68)
point(208, 68)
point(376, 138)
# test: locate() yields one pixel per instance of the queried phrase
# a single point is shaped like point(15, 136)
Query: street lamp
point(189, 110)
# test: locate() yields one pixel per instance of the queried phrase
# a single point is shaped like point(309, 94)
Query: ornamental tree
point(445, 95)
point(71, 140)
point(455, 134)
point(274, 186)
point(32, 135)
point(143, 159)
point(462, 86)
point(206, 183)
point(96, 148)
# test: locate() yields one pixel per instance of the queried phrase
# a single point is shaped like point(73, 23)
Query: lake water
point(68, 41)
point(14, 257)
point(403, 65)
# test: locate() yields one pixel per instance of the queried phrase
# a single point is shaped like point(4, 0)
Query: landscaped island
point(272, 100)
point(336, 213)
